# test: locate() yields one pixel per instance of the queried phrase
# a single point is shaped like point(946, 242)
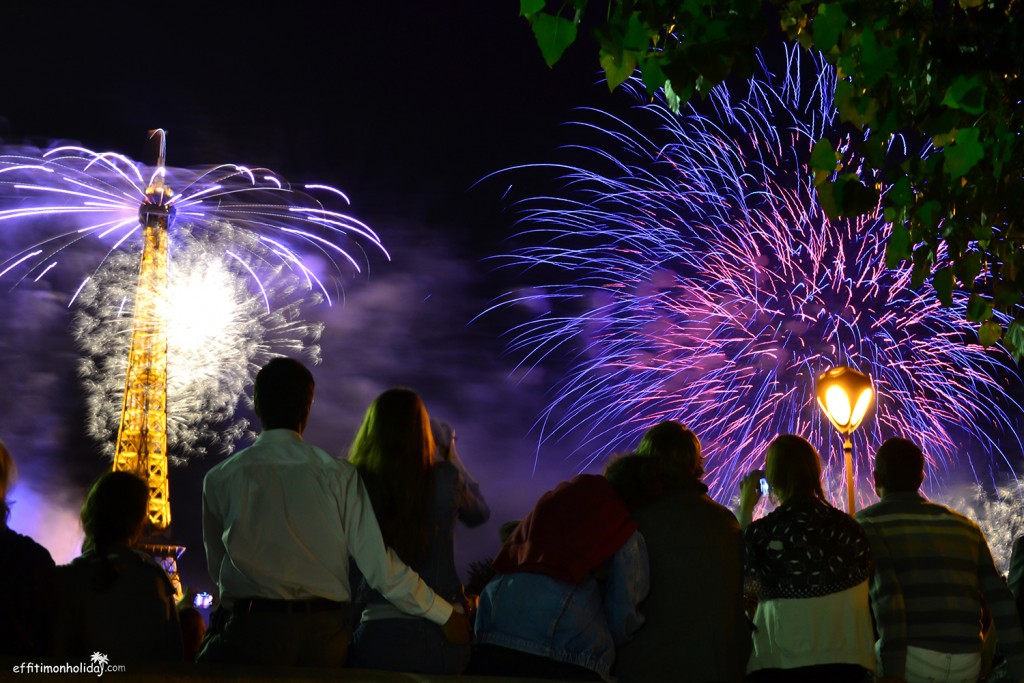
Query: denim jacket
point(577, 624)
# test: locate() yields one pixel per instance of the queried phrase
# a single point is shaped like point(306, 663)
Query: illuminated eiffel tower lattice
point(142, 437)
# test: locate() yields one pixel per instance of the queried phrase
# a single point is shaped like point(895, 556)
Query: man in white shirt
point(280, 521)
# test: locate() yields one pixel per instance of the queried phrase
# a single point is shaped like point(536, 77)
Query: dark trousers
point(282, 639)
point(410, 645)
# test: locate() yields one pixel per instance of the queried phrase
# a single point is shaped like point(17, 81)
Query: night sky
point(404, 106)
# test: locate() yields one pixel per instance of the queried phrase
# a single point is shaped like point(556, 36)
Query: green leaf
point(857, 198)
point(876, 60)
point(847, 196)
point(638, 36)
point(671, 98)
point(965, 152)
point(922, 267)
point(979, 309)
point(1004, 143)
point(828, 26)
point(897, 215)
point(827, 199)
point(652, 74)
point(944, 139)
point(942, 280)
point(858, 110)
point(528, 7)
point(969, 268)
point(929, 214)
point(824, 160)
point(683, 79)
point(966, 93)
point(898, 248)
point(899, 194)
point(989, 333)
point(1007, 295)
point(1015, 338)
point(875, 149)
point(553, 34)
point(712, 62)
point(617, 70)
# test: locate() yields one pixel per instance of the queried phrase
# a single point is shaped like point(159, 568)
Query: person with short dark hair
point(27, 579)
point(281, 519)
point(113, 598)
point(810, 564)
point(933, 567)
point(694, 626)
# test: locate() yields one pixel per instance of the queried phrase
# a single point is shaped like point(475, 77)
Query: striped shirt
point(932, 568)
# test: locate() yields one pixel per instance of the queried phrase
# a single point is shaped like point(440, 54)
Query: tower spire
point(142, 437)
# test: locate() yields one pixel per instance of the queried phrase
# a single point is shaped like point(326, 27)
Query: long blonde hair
point(793, 468)
point(393, 451)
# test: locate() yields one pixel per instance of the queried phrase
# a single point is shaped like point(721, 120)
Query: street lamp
point(845, 394)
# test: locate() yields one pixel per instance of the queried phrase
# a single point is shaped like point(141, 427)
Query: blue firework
point(685, 270)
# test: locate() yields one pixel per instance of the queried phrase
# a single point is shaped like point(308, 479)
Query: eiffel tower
point(142, 436)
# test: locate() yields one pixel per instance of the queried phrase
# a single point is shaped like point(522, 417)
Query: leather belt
point(254, 605)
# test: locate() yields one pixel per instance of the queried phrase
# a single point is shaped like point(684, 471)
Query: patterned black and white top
point(805, 548)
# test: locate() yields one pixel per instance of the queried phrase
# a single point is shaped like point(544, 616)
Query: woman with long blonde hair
point(811, 565)
point(417, 497)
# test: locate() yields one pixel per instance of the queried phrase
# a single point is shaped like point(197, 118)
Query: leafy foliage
point(947, 71)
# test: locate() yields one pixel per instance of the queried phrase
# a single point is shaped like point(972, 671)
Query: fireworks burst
point(999, 513)
point(706, 285)
point(221, 331)
point(248, 252)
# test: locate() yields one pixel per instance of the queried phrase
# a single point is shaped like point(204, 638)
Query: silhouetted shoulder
point(25, 549)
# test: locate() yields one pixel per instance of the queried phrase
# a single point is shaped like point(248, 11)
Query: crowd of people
point(635, 575)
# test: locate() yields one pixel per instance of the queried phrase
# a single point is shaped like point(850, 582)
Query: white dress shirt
point(282, 517)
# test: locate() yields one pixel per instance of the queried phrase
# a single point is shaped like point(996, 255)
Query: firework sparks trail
point(999, 513)
point(99, 194)
point(690, 274)
point(248, 253)
point(221, 333)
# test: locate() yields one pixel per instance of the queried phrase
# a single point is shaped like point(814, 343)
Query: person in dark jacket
point(114, 599)
point(27, 577)
point(694, 626)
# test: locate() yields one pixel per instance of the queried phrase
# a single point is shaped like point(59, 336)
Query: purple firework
point(96, 196)
point(247, 254)
point(694, 276)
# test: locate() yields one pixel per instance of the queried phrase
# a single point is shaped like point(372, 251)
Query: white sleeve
point(213, 537)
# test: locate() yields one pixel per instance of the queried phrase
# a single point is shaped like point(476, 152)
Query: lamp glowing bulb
point(845, 395)
point(837, 406)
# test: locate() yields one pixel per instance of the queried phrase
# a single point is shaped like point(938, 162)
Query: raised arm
point(750, 494)
point(473, 509)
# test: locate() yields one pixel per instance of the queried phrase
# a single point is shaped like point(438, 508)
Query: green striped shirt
point(932, 568)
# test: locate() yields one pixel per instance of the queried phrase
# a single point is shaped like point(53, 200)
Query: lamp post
point(845, 394)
